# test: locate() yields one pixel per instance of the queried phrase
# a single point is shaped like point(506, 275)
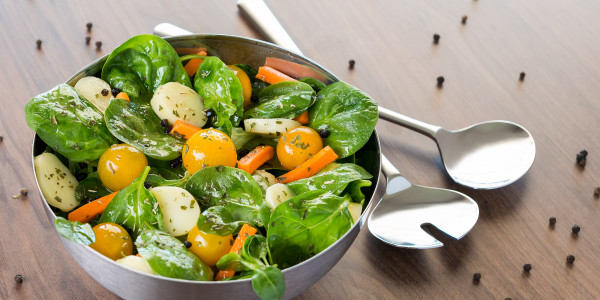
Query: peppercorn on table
point(449, 63)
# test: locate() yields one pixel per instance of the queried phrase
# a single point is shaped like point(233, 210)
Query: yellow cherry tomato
point(245, 81)
point(298, 145)
point(112, 240)
point(119, 165)
point(208, 148)
point(209, 247)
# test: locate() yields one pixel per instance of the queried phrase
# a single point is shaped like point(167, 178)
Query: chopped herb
point(16, 196)
point(57, 198)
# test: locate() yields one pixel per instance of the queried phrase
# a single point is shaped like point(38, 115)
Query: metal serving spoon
point(404, 208)
point(486, 155)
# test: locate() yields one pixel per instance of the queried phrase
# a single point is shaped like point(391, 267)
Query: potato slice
point(277, 194)
point(355, 210)
point(174, 101)
point(179, 209)
point(264, 180)
point(56, 182)
point(270, 127)
point(91, 89)
point(136, 263)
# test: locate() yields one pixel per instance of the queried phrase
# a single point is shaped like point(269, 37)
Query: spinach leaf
point(229, 197)
point(91, 188)
point(349, 114)
point(306, 225)
point(75, 231)
point(221, 91)
point(168, 257)
point(334, 178)
point(257, 84)
point(315, 84)
point(268, 281)
point(69, 124)
point(142, 64)
point(240, 137)
point(157, 180)
point(354, 191)
point(138, 126)
point(287, 99)
point(134, 207)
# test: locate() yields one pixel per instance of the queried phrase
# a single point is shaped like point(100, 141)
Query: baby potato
point(136, 263)
point(270, 127)
point(174, 101)
point(264, 180)
point(277, 194)
point(56, 182)
point(91, 88)
point(179, 209)
point(355, 210)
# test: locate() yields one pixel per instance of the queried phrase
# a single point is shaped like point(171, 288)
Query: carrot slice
point(272, 76)
point(303, 118)
point(122, 95)
point(237, 246)
point(89, 211)
point(310, 167)
point(184, 129)
point(256, 158)
point(192, 66)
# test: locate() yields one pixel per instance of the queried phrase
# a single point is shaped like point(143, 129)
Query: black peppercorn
point(570, 258)
point(210, 113)
point(597, 191)
point(522, 76)
point(115, 91)
point(464, 20)
point(1, 138)
point(98, 45)
point(436, 38)
point(89, 26)
point(166, 126)
point(351, 64)
point(104, 92)
point(19, 278)
point(580, 159)
point(187, 244)
point(81, 176)
point(24, 192)
point(88, 39)
point(575, 229)
point(440, 81)
point(477, 276)
point(38, 43)
point(324, 133)
point(147, 184)
point(584, 153)
point(552, 221)
point(176, 163)
point(527, 267)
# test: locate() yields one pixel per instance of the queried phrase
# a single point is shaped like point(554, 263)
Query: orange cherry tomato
point(112, 241)
point(298, 145)
point(245, 81)
point(120, 165)
point(209, 247)
point(208, 148)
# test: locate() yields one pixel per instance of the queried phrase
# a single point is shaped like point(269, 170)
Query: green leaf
point(168, 257)
point(306, 225)
point(315, 84)
point(354, 191)
point(138, 126)
point(240, 137)
point(91, 188)
point(134, 207)
point(268, 283)
point(257, 84)
point(142, 64)
point(287, 99)
point(221, 91)
point(231, 261)
point(75, 231)
point(157, 180)
point(348, 113)
point(334, 178)
point(228, 196)
point(69, 124)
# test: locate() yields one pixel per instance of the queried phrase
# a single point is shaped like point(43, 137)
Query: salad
point(185, 167)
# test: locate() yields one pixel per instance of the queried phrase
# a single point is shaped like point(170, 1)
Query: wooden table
point(555, 43)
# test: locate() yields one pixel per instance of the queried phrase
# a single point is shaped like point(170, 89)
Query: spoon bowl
point(404, 208)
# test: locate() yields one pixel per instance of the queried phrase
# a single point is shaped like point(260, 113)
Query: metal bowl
point(130, 284)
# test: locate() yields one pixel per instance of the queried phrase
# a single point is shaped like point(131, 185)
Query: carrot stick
point(122, 95)
point(237, 246)
point(303, 118)
point(184, 129)
point(89, 211)
point(310, 167)
point(272, 76)
point(192, 66)
point(256, 158)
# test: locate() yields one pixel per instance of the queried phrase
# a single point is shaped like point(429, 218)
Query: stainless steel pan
point(131, 284)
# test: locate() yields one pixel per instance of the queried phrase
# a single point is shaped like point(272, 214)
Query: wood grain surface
point(554, 42)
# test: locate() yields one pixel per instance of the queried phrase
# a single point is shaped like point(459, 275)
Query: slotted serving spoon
point(486, 155)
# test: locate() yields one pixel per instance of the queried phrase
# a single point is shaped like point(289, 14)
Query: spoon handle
point(410, 123)
point(387, 167)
